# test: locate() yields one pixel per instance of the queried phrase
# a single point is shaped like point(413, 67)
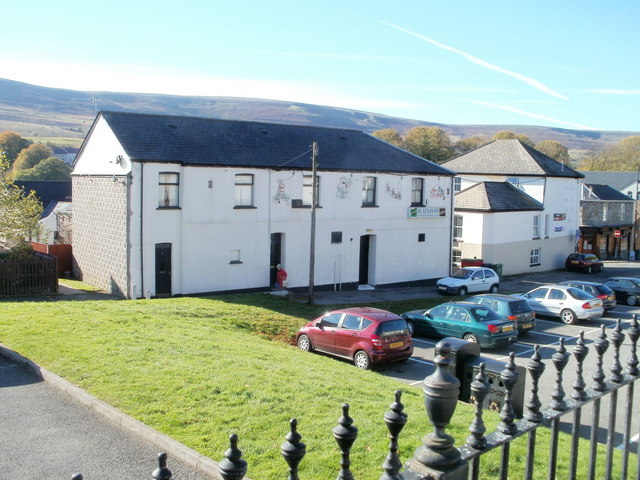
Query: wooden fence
point(35, 274)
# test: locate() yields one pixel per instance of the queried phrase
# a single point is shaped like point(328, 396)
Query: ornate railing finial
point(536, 368)
point(479, 390)
point(560, 358)
point(633, 332)
point(162, 472)
point(617, 337)
point(233, 466)
point(509, 377)
point(580, 352)
point(601, 345)
point(345, 434)
point(293, 449)
point(395, 420)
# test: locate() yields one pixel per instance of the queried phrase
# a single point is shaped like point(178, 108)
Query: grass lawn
point(199, 369)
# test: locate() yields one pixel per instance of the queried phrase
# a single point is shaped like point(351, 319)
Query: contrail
point(478, 61)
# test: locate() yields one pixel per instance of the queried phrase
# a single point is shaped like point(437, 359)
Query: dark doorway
point(363, 278)
point(276, 255)
point(163, 269)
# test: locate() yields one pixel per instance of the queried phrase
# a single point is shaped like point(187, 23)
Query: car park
point(516, 309)
point(469, 280)
point(627, 289)
point(585, 262)
point(469, 321)
point(598, 290)
point(568, 303)
point(364, 335)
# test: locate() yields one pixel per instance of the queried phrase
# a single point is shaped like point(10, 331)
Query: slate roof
point(512, 158)
point(234, 143)
point(495, 197)
point(605, 192)
point(49, 193)
point(617, 180)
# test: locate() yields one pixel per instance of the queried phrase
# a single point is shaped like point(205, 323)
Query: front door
point(163, 269)
point(276, 256)
point(363, 278)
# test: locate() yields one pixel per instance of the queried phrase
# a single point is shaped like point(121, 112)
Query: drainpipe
point(141, 228)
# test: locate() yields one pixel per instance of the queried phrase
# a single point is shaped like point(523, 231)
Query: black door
point(276, 255)
point(163, 269)
point(364, 260)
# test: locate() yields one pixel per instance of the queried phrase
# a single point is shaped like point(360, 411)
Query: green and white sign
point(426, 212)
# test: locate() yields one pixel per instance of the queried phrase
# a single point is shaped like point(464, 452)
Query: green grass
point(78, 285)
point(199, 369)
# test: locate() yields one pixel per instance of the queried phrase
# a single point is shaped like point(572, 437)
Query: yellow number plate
point(396, 344)
point(508, 328)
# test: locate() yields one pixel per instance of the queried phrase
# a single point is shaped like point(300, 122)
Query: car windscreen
point(579, 294)
point(603, 290)
point(485, 314)
point(392, 327)
point(462, 273)
point(521, 306)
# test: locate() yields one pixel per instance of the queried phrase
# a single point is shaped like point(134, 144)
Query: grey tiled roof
point(495, 197)
point(605, 192)
point(511, 158)
point(232, 143)
point(617, 180)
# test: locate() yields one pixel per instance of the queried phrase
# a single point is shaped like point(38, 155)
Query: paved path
point(45, 434)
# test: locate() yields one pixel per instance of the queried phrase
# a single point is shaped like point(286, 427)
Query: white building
point(179, 205)
point(531, 225)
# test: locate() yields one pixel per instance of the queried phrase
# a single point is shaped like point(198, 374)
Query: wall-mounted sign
point(558, 217)
point(426, 212)
point(558, 229)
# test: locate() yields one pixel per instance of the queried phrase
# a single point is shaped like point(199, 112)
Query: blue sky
point(566, 64)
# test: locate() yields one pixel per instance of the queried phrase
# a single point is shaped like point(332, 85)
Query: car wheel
point(494, 289)
point(462, 291)
point(361, 360)
point(567, 316)
point(589, 269)
point(632, 300)
point(304, 343)
point(470, 337)
point(411, 327)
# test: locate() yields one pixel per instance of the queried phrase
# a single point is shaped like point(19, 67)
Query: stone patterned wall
point(100, 232)
point(591, 213)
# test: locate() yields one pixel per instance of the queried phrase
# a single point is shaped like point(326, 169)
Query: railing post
point(580, 352)
point(438, 458)
point(233, 466)
point(601, 345)
point(617, 337)
point(632, 370)
point(162, 472)
point(293, 450)
point(536, 368)
point(395, 419)
point(345, 434)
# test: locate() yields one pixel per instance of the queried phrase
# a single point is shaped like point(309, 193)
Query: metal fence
point(34, 274)
point(439, 459)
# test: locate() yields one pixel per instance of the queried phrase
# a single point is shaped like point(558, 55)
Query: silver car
point(568, 303)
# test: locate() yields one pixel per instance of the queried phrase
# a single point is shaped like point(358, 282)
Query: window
point(457, 226)
point(534, 258)
point(369, 192)
point(336, 237)
point(168, 189)
point(536, 226)
point(457, 184)
point(456, 256)
point(351, 322)
point(479, 275)
point(244, 190)
point(546, 226)
point(331, 320)
point(556, 294)
point(307, 190)
point(417, 192)
point(421, 237)
point(234, 256)
point(623, 211)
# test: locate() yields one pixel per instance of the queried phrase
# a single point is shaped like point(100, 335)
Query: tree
point(52, 169)
point(508, 135)
point(466, 145)
point(389, 135)
point(19, 212)
point(431, 143)
point(12, 144)
point(621, 157)
point(555, 150)
point(30, 157)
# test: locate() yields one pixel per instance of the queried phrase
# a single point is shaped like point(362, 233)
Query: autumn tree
point(389, 135)
point(555, 150)
point(12, 144)
point(431, 143)
point(30, 157)
point(508, 135)
point(466, 145)
point(51, 169)
point(619, 157)
point(19, 212)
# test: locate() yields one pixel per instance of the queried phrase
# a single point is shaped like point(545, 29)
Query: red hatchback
point(365, 335)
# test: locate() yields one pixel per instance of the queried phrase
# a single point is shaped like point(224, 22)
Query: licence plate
point(575, 261)
point(508, 328)
point(396, 345)
point(442, 287)
point(527, 325)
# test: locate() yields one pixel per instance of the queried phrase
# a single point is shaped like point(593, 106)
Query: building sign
point(558, 229)
point(559, 217)
point(426, 212)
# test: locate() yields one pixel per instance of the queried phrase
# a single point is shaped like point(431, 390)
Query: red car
point(364, 335)
point(586, 262)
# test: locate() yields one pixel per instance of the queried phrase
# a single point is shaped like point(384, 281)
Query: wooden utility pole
point(314, 201)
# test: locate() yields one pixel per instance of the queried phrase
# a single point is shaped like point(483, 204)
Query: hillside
point(50, 112)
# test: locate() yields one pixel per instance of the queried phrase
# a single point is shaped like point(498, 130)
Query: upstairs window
point(244, 190)
point(168, 189)
point(417, 192)
point(369, 192)
point(307, 190)
point(457, 184)
point(457, 226)
point(536, 226)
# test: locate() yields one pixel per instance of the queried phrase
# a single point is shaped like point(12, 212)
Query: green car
point(469, 321)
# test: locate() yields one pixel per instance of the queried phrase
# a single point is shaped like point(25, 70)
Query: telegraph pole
point(314, 200)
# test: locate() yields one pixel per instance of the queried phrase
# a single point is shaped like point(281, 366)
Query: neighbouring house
point(606, 222)
point(67, 154)
point(167, 205)
point(515, 207)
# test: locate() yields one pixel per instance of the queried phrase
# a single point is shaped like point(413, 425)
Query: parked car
point(568, 303)
point(586, 262)
point(466, 320)
point(516, 309)
point(598, 290)
point(470, 279)
point(365, 335)
point(627, 289)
